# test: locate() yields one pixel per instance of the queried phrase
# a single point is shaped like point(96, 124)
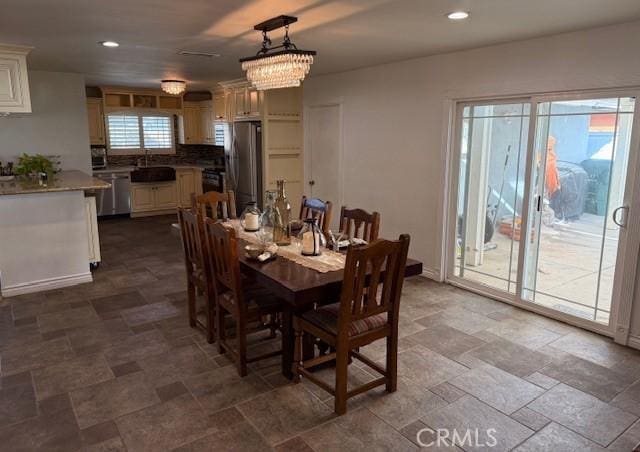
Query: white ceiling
point(346, 33)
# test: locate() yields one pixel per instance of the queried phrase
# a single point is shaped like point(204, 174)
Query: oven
point(213, 180)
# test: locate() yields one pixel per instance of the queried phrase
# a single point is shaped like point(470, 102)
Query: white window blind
point(219, 138)
point(157, 132)
point(136, 131)
point(124, 131)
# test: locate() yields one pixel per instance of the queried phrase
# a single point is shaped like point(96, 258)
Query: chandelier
point(174, 87)
point(271, 68)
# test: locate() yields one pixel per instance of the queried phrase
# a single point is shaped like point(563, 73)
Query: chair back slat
point(223, 255)
point(375, 274)
point(191, 231)
point(215, 205)
point(317, 209)
point(358, 223)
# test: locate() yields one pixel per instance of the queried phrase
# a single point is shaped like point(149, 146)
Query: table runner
point(328, 261)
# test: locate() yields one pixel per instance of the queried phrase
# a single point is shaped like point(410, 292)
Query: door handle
point(623, 217)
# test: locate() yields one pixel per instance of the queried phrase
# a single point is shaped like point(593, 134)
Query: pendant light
point(282, 66)
point(174, 87)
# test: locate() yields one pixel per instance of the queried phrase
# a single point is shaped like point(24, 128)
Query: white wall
point(395, 116)
point(57, 125)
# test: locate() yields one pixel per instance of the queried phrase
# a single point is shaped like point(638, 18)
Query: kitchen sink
point(153, 174)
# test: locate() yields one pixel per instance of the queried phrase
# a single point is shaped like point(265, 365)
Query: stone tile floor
point(113, 366)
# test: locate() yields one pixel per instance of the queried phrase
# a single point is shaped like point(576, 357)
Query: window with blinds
point(124, 131)
point(219, 138)
point(135, 132)
point(157, 132)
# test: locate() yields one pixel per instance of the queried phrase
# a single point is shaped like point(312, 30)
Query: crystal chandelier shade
point(174, 87)
point(272, 68)
point(278, 71)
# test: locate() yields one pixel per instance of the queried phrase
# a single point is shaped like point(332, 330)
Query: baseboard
point(431, 274)
point(46, 284)
point(634, 341)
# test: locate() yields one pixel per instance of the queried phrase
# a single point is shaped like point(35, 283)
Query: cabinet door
point(142, 198)
point(166, 196)
point(186, 186)
point(219, 107)
point(229, 106)
point(253, 102)
point(206, 122)
point(14, 83)
point(240, 102)
point(96, 121)
point(191, 124)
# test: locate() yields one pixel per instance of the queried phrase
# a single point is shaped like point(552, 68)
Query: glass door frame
point(629, 235)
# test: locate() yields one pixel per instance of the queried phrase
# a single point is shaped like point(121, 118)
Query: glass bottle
point(268, 216)
point(311, 238)
point(250, 218)
point(282, 216)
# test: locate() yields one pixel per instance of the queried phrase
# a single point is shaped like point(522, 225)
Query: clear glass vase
point(281, 217)
point(267, 220)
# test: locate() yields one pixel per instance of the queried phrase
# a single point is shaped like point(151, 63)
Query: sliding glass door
point(540, 201)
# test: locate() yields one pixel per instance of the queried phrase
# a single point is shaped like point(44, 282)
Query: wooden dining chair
point(244, 301)
point(367, 311)
point(358, 223)
point(318, 209)
point(195, 256)
point(216, 205)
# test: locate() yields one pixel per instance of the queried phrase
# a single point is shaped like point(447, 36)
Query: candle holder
point(250, 218)
point(311, 238)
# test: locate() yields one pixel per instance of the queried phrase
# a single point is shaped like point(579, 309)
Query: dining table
point(300, 288)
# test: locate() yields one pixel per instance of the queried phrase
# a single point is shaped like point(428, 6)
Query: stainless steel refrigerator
point(243, 152)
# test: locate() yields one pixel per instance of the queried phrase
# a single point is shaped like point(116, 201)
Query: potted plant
point(34, 166)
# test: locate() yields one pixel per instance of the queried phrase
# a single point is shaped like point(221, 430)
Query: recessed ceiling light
point(458, 15)
point(109, 43)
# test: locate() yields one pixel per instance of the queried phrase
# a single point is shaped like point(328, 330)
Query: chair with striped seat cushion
point(326, 317)
point(368, 311)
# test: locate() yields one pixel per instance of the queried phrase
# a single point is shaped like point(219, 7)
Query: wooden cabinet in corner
point(14, 82)
point(96, 120)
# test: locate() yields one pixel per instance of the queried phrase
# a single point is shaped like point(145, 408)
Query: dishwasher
point(115, 200)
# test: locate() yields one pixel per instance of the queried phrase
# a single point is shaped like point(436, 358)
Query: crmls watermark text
point(427, 437)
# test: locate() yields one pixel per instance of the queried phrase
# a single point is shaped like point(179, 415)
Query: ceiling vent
point(198, 54)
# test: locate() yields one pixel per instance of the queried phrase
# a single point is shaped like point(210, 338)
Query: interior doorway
point(324, 155)
point(541, 205)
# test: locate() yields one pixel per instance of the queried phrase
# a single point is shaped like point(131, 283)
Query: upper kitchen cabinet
point(14, 82)
point(190, 125)
point(220, 105)
point(96, 120)
point(196, 124)
point(246, 101)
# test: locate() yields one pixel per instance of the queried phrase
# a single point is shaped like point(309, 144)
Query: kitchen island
point(45, 232)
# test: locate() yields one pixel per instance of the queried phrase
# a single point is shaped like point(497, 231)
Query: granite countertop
point(63, 181)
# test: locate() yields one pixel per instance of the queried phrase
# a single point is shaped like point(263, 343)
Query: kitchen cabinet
point(96, 120)
point(92, 229)
point(220, 105)
point(189, 124)
point(159, 198)
point(196, 124)
point(153, 198)
point(207, 120)
point(14, 82)
point(247, 103)
point(189, 181)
